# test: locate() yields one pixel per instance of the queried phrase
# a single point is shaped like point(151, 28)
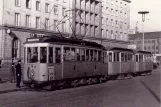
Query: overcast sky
point(153, 19)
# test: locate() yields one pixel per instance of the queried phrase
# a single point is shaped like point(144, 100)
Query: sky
point(152, 20)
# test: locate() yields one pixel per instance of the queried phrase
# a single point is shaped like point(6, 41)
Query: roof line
point(127, 1)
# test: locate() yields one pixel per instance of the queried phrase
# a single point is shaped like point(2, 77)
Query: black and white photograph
point(80, 53)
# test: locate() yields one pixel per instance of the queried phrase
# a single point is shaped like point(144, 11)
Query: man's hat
point(19, 60)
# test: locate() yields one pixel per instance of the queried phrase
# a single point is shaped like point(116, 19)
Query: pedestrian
point(12, 73)
point(18, 73)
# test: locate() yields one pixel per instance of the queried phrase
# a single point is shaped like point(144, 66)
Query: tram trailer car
point(143, 62)
point(121, 63)
point(63, 62)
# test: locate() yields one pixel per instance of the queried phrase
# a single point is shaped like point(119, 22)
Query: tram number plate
point(51, 72)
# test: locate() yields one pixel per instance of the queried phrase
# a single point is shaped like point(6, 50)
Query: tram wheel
point(32, 86)
point(74, 83)
point(129, 76)
point(121, 77)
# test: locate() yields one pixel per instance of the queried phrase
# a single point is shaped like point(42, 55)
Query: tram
point(143, 62)
point(68, 62)
point(63, 62)
point(120, 63)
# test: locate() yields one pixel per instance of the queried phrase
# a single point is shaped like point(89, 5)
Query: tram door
point(58, 62)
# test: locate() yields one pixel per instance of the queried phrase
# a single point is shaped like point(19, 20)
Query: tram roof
point(49, 39)
point(121, 49)
point(144, 52)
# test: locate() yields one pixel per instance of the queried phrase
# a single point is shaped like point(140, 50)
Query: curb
point(11, 90)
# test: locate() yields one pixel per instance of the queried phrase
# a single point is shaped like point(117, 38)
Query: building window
point(56, 10)
point(106, 33)
point(28, 21)
point(63, 27)
point(107, 10)
point(116, 25)
point(46, 7)
point(112, 34)
point(17, 2)
point(17, 19)
point(15, 45)
point(102, 33)
point(112, 22)
point(55, 25)
point(46, 23)
point(28, 4)
point(38, 5)
point(112, 12)
point(120, 13)
point(116, 12)
point(38, 22)
point(63, 11)
point(121, 25)
point(102, 20)
point(107, 21)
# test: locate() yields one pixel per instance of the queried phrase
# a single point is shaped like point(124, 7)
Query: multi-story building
point(152, 41)
point(102, 21)
point(115, 22)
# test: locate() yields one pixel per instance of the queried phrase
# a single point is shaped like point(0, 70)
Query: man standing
point(18, 73)
point(12, 73)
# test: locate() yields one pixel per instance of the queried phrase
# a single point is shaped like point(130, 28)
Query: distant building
point(132, 31)
point(152, 41)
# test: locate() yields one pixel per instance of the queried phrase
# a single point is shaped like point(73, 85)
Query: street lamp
point(143, 19)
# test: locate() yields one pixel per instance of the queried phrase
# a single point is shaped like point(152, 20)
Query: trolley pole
point(143, 20)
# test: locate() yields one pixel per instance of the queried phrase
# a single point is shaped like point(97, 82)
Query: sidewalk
point(6, 87)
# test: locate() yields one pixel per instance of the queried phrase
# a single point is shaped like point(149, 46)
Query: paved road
point(142, 91)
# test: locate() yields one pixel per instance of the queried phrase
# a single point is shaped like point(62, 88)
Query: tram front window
point(32, 55)
point(43, 54)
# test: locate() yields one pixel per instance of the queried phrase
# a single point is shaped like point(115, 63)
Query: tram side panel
point(127, 67)
point(69, 69)
point(114, 68)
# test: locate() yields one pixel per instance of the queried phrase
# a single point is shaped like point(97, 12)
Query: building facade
point(103, 21)
point(152, 41)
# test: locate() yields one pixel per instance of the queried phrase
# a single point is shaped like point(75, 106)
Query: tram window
point(57, 55)
point(82, 54)
point(78, 54)
point(129, 57)
point(126, 57)
point(105, 57)
point(73, 54)
point(122, 57)
point(136, 58)
point(43, 54)
point(95, 55)
point(50, 54)
point(92, 56)
point(25, 55)
point(140, 58)
point(87, 55)
point(67, 54)
point(99, 55)
point(32, 54)
point(114, 57)
point(118, 56)
point(110, 57)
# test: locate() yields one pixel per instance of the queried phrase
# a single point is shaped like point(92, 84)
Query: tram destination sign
point(33, 39)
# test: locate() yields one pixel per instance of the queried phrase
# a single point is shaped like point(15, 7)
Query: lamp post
point(143, 20)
